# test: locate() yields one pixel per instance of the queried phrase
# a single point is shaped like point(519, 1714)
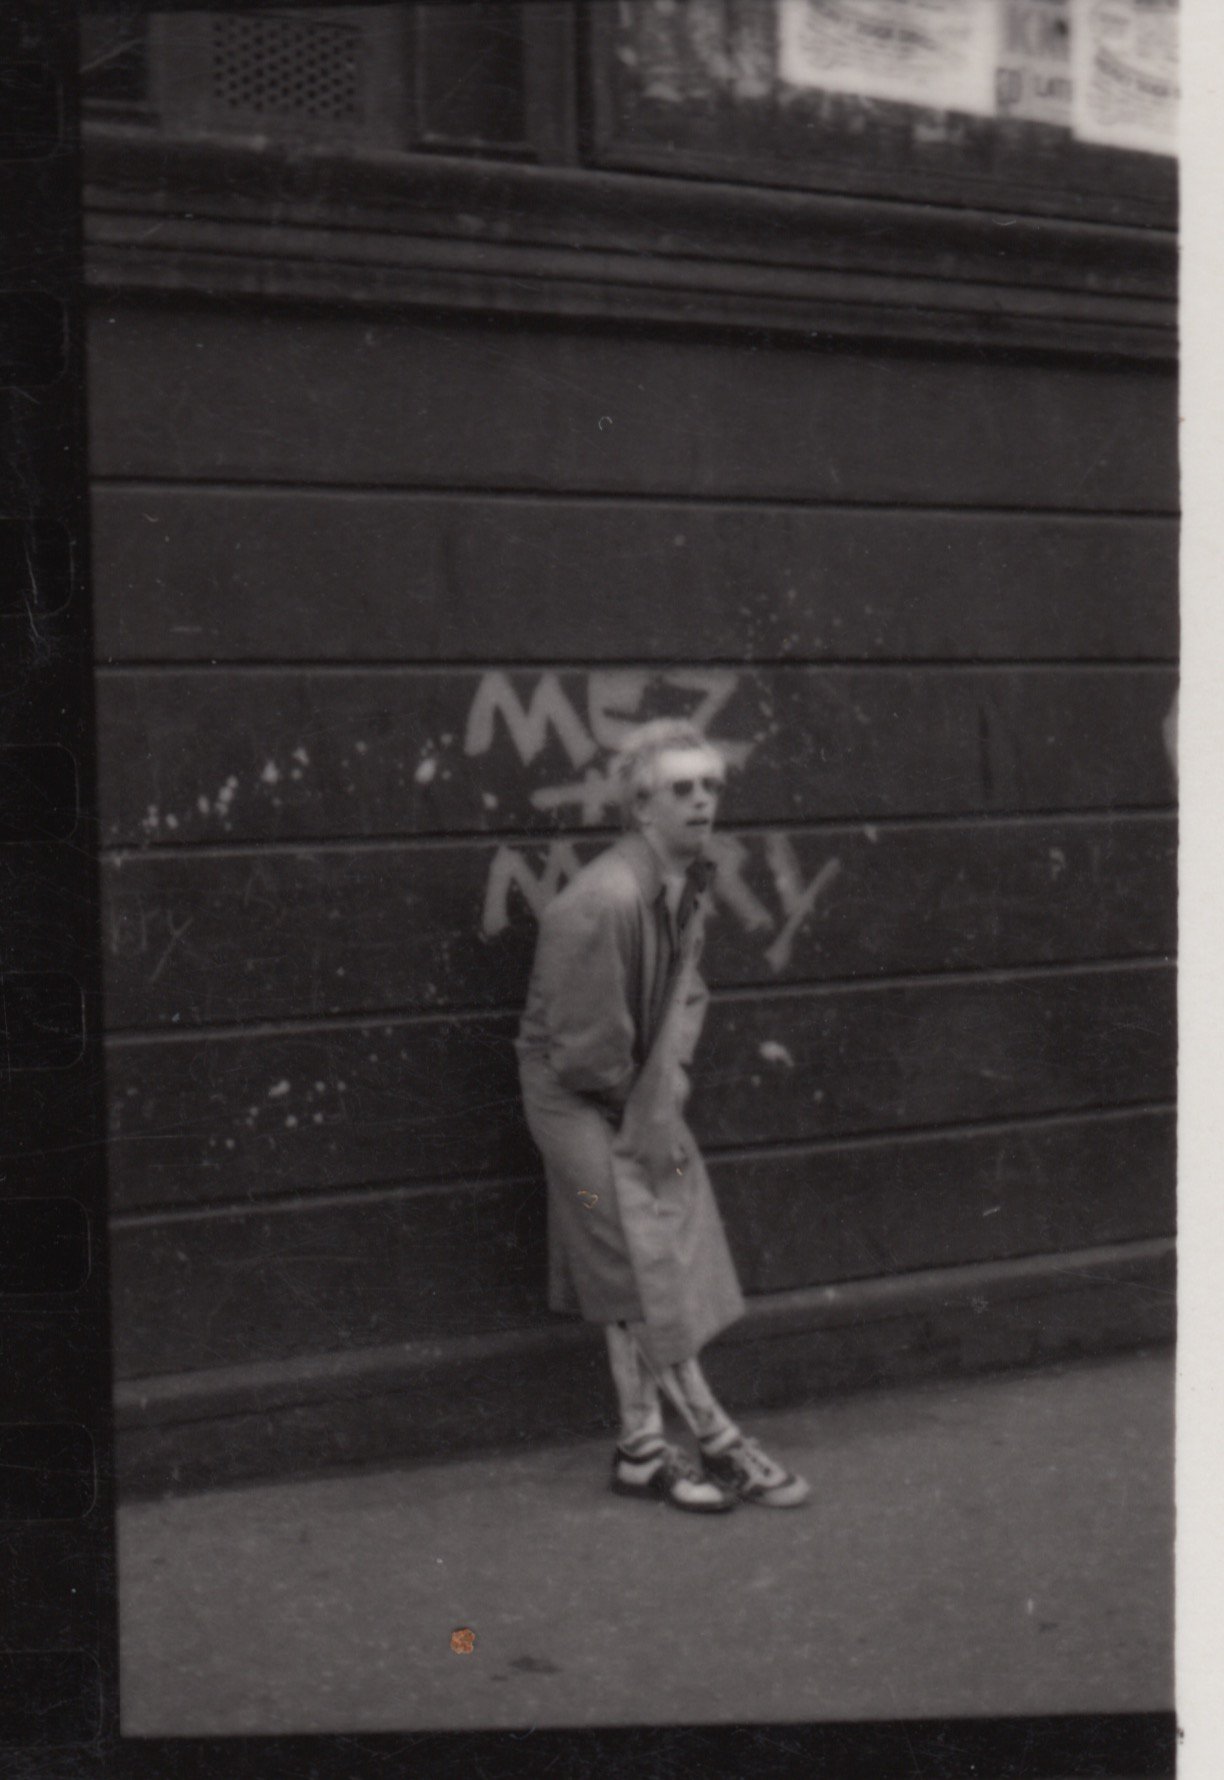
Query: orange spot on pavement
point(463, 1642)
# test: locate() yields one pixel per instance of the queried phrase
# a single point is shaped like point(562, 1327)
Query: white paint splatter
point(872, 833)
point(361, 747)
point(488, 800)
point(271, 774)
point(203, 805)
point(426, 772)
point(152, 819)
point(290, 1120)
point(171, 822)
point(301, 756)
point(278, 1090)
point(773, 1052)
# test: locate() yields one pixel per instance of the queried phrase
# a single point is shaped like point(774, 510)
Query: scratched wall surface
point(374, 603)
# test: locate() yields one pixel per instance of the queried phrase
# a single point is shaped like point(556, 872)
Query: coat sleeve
point(587, 951)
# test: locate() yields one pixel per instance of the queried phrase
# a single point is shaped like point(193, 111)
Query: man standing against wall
point(612, 1019)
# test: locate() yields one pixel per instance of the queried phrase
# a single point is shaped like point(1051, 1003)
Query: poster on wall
point(936, 53)
point(1124, 55)
point(1033, 79)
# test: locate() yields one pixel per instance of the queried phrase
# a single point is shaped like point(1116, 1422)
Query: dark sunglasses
point(684, 788)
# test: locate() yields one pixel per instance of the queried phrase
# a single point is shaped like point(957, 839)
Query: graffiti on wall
point(616, 700)
point(613, 706)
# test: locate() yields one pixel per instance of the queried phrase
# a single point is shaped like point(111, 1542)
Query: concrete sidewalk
point(991, 1546)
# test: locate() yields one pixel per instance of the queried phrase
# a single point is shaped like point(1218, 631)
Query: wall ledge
point(427, 1400)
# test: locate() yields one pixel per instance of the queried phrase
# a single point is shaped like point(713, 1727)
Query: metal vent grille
point(286, 68)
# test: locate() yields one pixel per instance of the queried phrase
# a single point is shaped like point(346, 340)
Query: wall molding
point(392, 231)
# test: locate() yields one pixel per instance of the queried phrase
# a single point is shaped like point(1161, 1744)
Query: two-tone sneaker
point(739, 1464)
point(662, 1473)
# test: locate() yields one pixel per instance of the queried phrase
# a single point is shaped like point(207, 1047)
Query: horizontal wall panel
point(196, 937)
point(205, 573)
point(873, 1209)
point(253, 1115)
point(234, 1287)
point(210, 755)
point(263, 1285)
point(935, 1052)
point(300, 396)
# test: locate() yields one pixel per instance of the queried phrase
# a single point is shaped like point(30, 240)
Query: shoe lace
point(755, 1464)
point(678, 1464)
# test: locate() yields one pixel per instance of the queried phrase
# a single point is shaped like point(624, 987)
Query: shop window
point(1061, 105)
point(470, 85)
point(1066, 107)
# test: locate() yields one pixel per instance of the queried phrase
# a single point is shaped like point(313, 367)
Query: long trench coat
point(613, 1015)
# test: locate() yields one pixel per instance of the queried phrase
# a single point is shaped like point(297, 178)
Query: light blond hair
point(635, 767)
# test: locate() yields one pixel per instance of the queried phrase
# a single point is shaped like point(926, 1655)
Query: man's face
point(679, 813)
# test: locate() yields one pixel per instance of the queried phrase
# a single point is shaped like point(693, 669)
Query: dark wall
point(375, 595)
